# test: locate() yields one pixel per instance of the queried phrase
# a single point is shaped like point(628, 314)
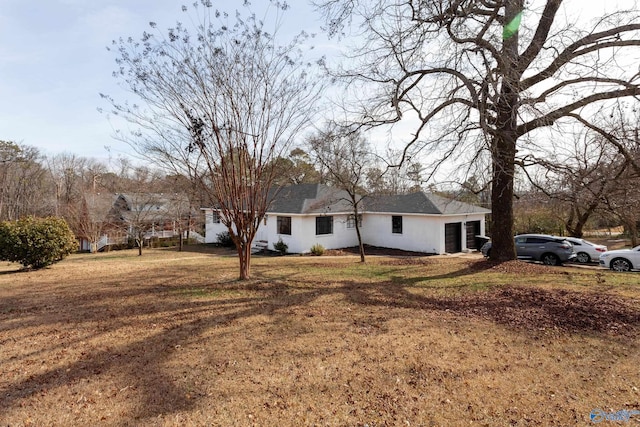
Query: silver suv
point(550, 250)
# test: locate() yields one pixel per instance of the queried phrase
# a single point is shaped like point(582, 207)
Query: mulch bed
point(374, 250)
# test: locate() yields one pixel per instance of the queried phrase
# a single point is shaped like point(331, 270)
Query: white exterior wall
point(303, 233)
point(212, 230)
point(420, 233)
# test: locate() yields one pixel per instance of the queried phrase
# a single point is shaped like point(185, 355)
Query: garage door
point(453, 237)
point(473, 230)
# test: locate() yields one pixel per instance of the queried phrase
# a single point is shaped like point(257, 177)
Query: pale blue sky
point(54, 63)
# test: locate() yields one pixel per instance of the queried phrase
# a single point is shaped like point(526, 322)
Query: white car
point(586, 251)
point(621, 259)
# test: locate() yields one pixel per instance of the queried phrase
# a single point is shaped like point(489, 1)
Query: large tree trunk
point(503, 145)
point(502, 247)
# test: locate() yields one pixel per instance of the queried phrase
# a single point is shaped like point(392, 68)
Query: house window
point(324, 225)
point(215, 217)
point(284, 225)
point(396, 224)
point(351, 221)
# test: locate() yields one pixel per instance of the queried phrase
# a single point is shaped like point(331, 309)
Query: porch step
point(260, 245)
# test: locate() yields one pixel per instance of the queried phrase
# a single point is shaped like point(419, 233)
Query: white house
point(308, 214)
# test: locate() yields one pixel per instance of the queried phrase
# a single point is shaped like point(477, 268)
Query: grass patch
point(172, 338)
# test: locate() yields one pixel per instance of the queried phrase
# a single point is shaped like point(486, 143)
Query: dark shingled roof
point(318, 198)
point(420, 203)
point(310, 198)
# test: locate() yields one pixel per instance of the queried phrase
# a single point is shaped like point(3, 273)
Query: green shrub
point(281, 247)
point(224, 239)
point(317, 249)
point(8, 241)
point(36, 242)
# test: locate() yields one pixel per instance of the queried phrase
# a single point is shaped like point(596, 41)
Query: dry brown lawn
point(173, 339)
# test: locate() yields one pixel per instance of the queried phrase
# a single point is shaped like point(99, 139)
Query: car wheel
point(550, 259)
point(620, 264)
point(583, 257)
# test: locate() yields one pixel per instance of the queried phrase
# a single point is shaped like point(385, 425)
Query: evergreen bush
point(36, 242)
point(281, 247)
point(224, 239)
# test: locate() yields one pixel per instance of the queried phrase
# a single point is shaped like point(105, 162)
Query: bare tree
point(221, 102)
point(595, 171)
point(345, 160)
point(23, 182)
point(89, 217)
point(140, 212)
point(579, 177)
point(400, 179)
point(186, 200)
point(623, 205)
point(474, 74)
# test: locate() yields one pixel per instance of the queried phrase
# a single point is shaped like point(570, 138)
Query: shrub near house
point(36, 242)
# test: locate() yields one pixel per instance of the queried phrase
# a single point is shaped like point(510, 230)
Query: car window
point(520, 240)
point(575, 243)
point(536, 240)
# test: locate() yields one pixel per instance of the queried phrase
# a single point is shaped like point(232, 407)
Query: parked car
point(586, 251)
point(621, 259)
point(550, 250)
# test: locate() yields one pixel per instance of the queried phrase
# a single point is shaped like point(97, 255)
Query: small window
point(396, 224)
point(324, 225)
point(284, 225)
point(215, 217)
point(351, 221)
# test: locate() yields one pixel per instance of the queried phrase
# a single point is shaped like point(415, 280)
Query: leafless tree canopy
point(476, 75)
point(220, 102)
point(345, 161)
point(22, 182)
point(598, 173)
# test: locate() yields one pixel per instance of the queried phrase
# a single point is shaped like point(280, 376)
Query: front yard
point(172, 338)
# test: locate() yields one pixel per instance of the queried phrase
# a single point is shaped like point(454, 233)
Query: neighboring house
point(140, 216)
point(152, 214)
point(308, 214)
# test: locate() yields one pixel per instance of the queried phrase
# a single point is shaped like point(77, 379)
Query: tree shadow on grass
point(181, 317)
point(142, 360)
